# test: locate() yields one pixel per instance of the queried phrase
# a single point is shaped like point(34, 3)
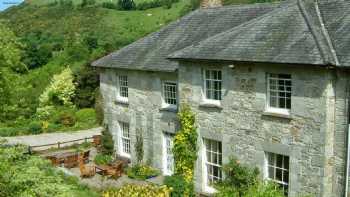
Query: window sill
point(122, 101)
point(209, 191)
point(278, 113)
point(169, 108)
point(211, 104)
point(125, 155)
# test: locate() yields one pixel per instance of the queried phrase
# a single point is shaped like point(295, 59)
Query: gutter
point(347, 162)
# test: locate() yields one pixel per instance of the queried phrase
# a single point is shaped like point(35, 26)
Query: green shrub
point(102, 159)
point(142, 172)
point(67, 118)
point(139, 191)
point(238, 176)
point(185, 147)
point(87, 81)
point(85, 3)
point(35, 128)
point(109, 5)
point(99, 107)
point(177, 183)
point(86, 115)
point(25, 175)
point(107, 142)
point(53, 128)
point(126, 4)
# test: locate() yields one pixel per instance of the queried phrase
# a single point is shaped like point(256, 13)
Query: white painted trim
point(206, 100)
point(166, 105)
point(164, 158)
point(120, 141)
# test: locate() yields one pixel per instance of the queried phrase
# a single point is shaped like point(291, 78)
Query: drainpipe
point(347, 163)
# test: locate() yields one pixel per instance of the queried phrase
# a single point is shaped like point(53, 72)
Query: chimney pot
point(210, 3)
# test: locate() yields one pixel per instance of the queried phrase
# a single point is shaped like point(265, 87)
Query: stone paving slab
point(53, 138)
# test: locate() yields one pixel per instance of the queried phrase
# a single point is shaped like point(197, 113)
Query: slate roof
point(291, 32)
point(150, 53)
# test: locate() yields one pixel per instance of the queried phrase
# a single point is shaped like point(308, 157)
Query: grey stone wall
point(142, 112)
point(313, 136)
point(247, 133)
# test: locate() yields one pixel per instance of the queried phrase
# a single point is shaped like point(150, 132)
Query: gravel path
point(53, 138)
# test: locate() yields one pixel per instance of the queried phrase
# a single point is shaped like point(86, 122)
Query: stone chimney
point(210, 3)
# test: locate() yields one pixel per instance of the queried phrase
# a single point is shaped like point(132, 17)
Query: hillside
point(55, 36)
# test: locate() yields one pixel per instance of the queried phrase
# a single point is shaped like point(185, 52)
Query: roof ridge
point(320, 35)
point(275, 10)
point(326, 34)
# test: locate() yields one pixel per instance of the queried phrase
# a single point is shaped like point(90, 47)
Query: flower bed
point(142, 172)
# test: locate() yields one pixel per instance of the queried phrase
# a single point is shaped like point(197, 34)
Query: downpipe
point(347, 163)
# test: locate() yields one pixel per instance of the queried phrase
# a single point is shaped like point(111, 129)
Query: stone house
point(268, 84)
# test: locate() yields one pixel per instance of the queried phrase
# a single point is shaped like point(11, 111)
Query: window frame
point(164, 99)
point(166, 136)
point(123, 138)
point(275, 166)
point(277, 110)
point(120, 97)
point(206, 186)
point(205, 88)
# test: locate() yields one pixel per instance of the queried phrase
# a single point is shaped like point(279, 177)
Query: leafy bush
point(102, 159)
point(85, 3)
point(243, 181)
point(86, 115)
point(185, 148)
point(59, 92)
point(126, 4)
point(109, 5)
point(67, 118)
point(139, 191)
point(107, 142)
point(99, 107)
point(25, 175)
point(144, 5)
point(239, 176)
point(142, 172)
point(260, 189)
point(87, 81)
point(35, 128)
point(177, 183)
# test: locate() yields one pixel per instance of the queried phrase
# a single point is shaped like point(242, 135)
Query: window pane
point(280, 88)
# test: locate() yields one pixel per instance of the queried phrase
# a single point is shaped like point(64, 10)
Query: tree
point(126, 4)
point(10, 59)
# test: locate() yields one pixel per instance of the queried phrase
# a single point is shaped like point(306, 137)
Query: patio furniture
point(96, 140)
point(115, 170)
point(86, 156)
point(86, 170)
point(101, 169)
point(54, 160)
point(71, 161)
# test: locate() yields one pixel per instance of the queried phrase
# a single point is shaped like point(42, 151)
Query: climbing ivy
point(185, 147)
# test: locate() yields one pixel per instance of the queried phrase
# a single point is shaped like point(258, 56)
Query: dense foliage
point(101, 159)
point(185, 147)
point(31, 176)
point(139, 146)
point(243, 181)
point(47, 44)
point(10, 55)
point(139, 191)
point(142, 172)
point(177, 184)
point(107, 142)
